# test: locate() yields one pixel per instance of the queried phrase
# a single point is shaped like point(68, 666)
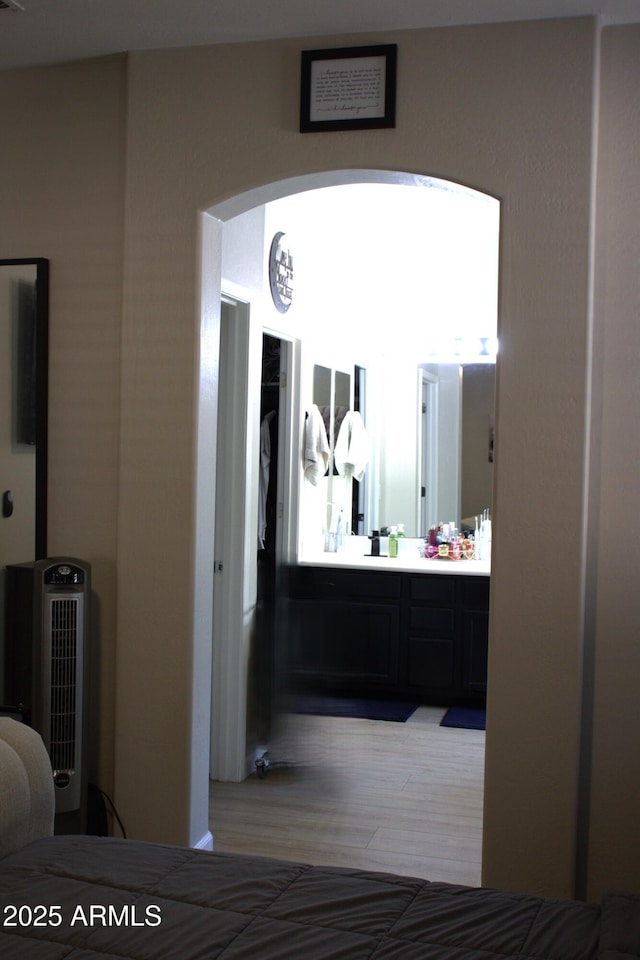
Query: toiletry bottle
point(432, 544)
point(484, 546)
point(401, 536)
point(479, 549)
point(393, 542)
point(487, 536)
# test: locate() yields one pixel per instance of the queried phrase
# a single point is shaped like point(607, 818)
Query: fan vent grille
point(64, 680)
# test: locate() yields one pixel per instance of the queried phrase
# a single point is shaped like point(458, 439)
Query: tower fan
point(45, 657)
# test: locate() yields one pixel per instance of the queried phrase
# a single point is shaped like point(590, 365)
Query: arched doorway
point(226, 212)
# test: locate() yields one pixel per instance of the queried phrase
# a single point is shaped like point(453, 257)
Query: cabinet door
point(430, 664)
point(475, 647)
point(336, 643)
point(430, 652)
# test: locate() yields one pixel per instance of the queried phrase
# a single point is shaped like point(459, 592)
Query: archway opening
point(400, 300)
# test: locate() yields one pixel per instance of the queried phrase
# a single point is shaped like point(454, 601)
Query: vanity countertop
point(408, 561)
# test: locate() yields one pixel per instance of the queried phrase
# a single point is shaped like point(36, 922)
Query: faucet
point(375, 543)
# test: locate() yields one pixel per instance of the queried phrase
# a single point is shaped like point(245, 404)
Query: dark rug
point(362, 709)
point(467, 718)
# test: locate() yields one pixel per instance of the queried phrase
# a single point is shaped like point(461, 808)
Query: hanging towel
point(316, 446)
point(352, 449)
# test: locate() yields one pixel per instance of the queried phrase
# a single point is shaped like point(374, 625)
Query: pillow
point(27, 801)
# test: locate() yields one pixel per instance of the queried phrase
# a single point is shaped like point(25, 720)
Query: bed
point(102, 898)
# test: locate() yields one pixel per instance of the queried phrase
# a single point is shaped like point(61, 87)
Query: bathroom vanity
point(405, 628)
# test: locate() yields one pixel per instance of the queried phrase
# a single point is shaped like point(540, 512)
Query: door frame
point(428, 445)
point(231, 757)
point(234, 576)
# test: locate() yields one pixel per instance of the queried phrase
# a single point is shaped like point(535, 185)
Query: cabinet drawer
point(333, 584)
point(436, 590)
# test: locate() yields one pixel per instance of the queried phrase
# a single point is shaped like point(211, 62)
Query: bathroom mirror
point(435, 446)
point(24, 296)
point(434, 432)
point(332, 395)
point(434, 438)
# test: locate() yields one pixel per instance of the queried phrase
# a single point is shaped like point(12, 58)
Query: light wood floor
point(399, 797)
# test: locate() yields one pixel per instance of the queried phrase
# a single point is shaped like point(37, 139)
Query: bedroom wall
point(614, 606)
point(505, 109)
point(512, 116)
point(61, 196)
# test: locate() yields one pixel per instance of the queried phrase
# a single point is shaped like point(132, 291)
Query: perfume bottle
point(393, 542)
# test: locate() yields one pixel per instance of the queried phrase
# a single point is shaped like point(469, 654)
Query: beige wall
point(61, 196)
point(614, 602)
point(506, 109)
point(514, 119)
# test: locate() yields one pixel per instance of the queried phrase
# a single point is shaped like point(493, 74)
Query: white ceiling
point(55, 31)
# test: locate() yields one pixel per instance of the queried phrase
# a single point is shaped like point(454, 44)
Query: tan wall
point(61, 195)
point(506, 109)
point(614, 609)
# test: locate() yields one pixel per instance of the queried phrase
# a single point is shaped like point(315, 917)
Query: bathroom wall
point(478, 423)
point(243, 256)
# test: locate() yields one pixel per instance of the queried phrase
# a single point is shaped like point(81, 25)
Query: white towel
point(352, 449)
point(316, 446)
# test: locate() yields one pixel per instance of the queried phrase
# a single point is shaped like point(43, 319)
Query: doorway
point(252, 529)
point(234, 581)
point(227, 212)
point(261, 673)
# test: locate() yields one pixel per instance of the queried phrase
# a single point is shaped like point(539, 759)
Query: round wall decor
point(281, 273)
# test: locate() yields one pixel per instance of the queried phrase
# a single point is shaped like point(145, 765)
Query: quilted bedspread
point(86, 898)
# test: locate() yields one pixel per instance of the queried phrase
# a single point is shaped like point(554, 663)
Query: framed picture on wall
point(349, 88)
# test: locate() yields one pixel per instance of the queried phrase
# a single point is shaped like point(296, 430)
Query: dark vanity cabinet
point(475, 633)
point(344, 628)
point(416, 636)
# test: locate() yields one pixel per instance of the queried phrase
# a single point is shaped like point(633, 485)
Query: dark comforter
point(82, 898)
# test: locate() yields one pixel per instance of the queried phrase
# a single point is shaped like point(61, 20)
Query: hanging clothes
point(353, 449)
point(263, 477)
point(316, 446)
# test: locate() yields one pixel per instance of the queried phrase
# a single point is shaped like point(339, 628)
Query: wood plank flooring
point(376, 795)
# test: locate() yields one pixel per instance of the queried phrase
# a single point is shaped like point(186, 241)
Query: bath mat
point(467, 718)
point(363, 709)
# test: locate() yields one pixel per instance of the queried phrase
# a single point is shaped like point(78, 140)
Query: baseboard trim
point(205, 842)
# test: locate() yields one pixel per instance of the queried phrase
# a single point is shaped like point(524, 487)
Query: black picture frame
point(348, 88)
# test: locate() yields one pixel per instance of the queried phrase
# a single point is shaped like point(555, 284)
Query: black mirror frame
point(42, 396)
